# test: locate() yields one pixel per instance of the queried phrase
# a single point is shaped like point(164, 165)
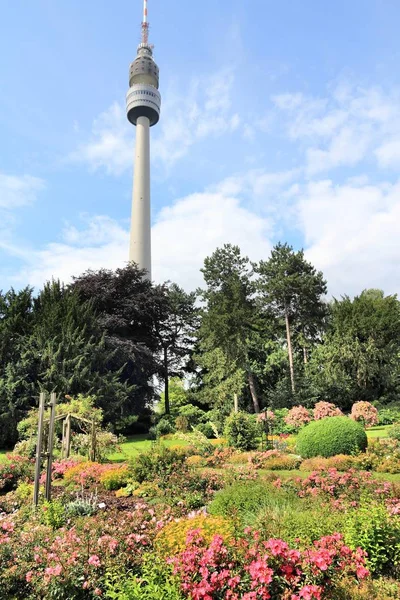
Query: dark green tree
point(292, 289)
point(175, 331)
point(229, 320)
point(16, 371)
point(360, 355)
point(70, 353)
point(129, 309)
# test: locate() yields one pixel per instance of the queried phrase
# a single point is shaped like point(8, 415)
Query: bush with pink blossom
point(298, 416)
point(250, 569)
point(326, 409)
point(365, 413)
point(72, 562)
point(13, 469)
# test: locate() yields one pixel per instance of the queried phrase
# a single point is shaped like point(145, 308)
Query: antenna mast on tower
point(145, 25)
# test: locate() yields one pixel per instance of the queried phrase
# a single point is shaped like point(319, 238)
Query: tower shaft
point(143, 103)
point(140, 238)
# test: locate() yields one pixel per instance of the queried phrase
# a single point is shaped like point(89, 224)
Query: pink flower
point(94, 561)
point(53, 570)
point(362, 572)
point(310, 592)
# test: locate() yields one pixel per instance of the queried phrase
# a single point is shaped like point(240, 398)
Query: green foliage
point(293, 291)
point(279, 425)
point(53, 514)
point(360, 350)
point(206, 429)
point(129, 309)
point(241, 431)
point(24, 492)
point(394, 431)
point(164, 427)
point(182, 424)
point(374, 530)
point(230, 324)
point(159, 463)
point(155, 582)
point(81, 406)
point(178, 397)
point(193, 414)
point(331, 436)
point(106, 443)
point(197, 440)
point(12, 470)
point(114, 479)
point(388, 416)
point(299, 526)
point(245, 502)
point(238, 499)
point(175, 331)
point(16, 369)
point(82, 506)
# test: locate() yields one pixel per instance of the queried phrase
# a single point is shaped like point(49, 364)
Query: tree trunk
point(305, 355)
point(235, 403)
point(253, 392)
point(305, 350)
point(166, 382)
point(290, 351)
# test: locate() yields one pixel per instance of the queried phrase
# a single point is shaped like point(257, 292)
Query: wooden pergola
point(65, 441)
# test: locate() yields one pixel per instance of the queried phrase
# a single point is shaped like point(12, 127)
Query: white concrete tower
point(143, 102)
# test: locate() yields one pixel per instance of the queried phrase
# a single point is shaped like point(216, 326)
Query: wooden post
point(235, 403)
point(93, 444)
point(38, 463)
point(53, 400)
point(64, 426)
point(67, 436)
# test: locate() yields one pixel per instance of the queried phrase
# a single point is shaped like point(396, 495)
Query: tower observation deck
point(143, 103)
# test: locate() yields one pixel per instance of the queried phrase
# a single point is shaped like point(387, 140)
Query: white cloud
point(111, 144)
point(347, 147)
point(203, 109)
point(267, 192)
point(103, 243)
point(16, 191)
point(351, 234)
point(183, 235)
point(194, 227)
point(388, 154)
point(343, 129)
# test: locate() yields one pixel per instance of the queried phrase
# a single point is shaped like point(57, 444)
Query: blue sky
point(280, 121)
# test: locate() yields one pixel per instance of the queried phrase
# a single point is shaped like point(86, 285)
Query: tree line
point(256, 335)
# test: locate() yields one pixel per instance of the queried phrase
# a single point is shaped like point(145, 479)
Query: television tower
point(143, 102)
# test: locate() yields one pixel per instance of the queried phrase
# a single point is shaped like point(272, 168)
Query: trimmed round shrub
point(241, 431)
point(331, 436)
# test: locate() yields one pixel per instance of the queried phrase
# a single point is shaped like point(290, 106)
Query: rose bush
point(248, 569)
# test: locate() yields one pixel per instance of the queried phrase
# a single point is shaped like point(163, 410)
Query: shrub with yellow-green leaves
point(171, 540)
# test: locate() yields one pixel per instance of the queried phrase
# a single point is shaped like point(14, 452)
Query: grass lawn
point(139, 443)
point(379, 431)
point(295, 473)
point(3, 455)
